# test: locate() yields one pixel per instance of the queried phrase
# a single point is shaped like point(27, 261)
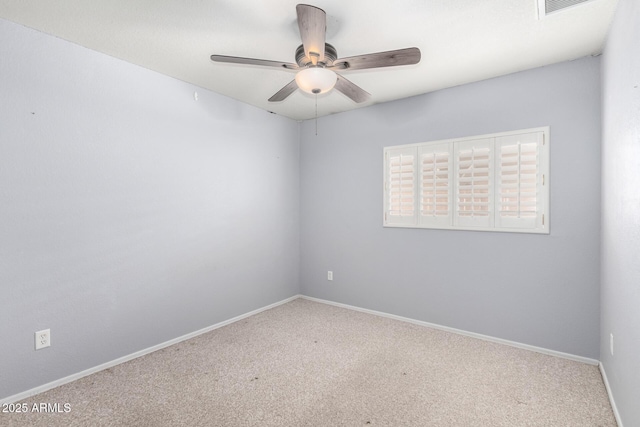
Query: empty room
point(223, 213)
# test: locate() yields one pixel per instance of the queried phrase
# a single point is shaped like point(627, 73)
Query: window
point(497, 182)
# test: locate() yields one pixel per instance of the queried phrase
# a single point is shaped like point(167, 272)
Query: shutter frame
point(515, 185)
point(396, 198)
point(435, 167)
point(472, 192)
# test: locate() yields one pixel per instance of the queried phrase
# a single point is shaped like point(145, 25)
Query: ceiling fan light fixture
point(316, 80)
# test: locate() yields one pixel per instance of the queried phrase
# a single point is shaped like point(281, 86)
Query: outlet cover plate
point(43, 338)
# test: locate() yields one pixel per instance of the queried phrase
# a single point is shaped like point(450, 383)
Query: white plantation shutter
point(520, 177)
point(474, 183)
point(400, 186)
point(436, 184)
point(496, 182)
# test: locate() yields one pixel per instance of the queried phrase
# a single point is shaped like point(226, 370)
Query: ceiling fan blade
point(283, 93)
point(353, 91)
point(312, 22)
point(252, 61)
point(392, 58)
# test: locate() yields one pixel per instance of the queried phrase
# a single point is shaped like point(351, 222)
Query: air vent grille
point(546, 7)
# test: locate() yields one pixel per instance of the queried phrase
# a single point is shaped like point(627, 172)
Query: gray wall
point(130, 214)
point(620, 204)
point(541, 290)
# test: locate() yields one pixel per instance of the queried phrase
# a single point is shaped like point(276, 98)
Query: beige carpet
point(310, 364)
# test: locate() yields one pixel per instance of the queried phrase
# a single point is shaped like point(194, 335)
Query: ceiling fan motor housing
point(330, 55)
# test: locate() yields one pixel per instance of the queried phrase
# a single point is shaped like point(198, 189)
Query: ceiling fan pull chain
point(316, 114)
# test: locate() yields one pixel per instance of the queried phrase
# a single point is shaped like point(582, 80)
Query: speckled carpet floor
point(310, 364)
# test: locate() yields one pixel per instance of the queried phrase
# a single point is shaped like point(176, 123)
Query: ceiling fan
point(317, 61)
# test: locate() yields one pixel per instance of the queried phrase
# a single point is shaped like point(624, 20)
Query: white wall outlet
point(611, 343)
point(43, 339)
point(329, 275)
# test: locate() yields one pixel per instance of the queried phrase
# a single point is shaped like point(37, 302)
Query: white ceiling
point(461, 41)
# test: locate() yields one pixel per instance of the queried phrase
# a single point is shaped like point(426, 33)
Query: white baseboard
point(613, 402)
point(461, 332)
point(73, 377)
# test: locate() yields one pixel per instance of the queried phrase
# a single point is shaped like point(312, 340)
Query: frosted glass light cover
point(319, 79)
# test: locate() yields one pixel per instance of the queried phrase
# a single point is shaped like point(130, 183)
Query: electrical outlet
point(329, 275)
point(611, 343)
point(43, 339)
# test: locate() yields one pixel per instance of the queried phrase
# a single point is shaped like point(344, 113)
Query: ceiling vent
point(547, 7)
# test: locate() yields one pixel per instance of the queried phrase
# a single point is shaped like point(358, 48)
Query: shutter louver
point(474, 186)
point(401, 186)
point(519, 181)
point(435, 184)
